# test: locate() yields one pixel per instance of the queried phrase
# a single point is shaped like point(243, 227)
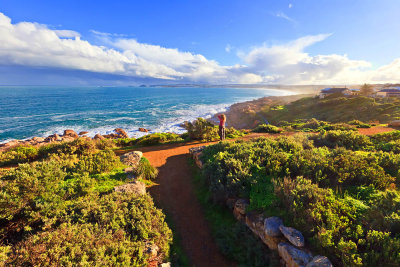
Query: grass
point(107, 181)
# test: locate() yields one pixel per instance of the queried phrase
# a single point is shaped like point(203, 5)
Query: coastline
point(240, 115)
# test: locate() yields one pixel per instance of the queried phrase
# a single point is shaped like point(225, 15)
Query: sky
point(135, 42)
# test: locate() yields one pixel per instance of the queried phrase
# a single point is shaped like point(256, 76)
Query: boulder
point(143, 130)
point(132, 158)
point(12, 143)
point(136, 187)
point(239, 210)
point(292, 256)
point(271, 226)
point(319, 261)
point(196, 153)
point(111, 136)
point(83, 133)
point(121, 133)
point(98, 137)
point(38, 139)
point(395, 123)
point(255, 222)
point(52, 138)
point(294, 236)
point(70, 133)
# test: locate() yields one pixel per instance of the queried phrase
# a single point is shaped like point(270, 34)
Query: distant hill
point(336, 109)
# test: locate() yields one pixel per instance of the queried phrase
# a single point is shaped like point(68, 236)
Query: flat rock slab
point(292, 256)
point(294, 236)
point(320, 261)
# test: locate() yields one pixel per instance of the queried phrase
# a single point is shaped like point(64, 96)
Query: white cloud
point(290, 5)
point(284, 16)
point(228, 48)
point(35, 45)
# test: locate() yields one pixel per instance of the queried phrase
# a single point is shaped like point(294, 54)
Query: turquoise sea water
point(40, 111)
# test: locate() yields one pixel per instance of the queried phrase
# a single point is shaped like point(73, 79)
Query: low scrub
point(340, 192)
point(267, 128)
point(63, 210)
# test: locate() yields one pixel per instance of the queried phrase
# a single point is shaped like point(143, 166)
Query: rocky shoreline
point(68, 136)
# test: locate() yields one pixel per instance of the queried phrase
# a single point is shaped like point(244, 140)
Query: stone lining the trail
point(288, 241)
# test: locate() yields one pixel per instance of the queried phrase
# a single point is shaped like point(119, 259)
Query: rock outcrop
point(132, 158)
point(143, 130)
point(70, 133)
point(121, 133)
point(98, 137)
point(83, 133)
point(136, 187)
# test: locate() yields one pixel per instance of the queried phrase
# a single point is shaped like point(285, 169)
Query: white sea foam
point(170, 124)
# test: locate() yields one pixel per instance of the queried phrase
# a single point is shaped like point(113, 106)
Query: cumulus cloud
point(34, 45)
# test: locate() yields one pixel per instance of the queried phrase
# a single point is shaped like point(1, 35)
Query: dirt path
point(175, 195)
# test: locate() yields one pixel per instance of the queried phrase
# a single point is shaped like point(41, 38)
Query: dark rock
point(320, 261)
point(271, 226)
point(292, 256)
point(294, 236)
point(143, 130)
point(83, 133)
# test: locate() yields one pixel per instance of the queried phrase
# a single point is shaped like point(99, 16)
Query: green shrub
point(349, 140)
point(111, 230)
point(103, 161)
point(158, 138)
point(18, 154)
point(359, 124)
point(145, 170)
point(201, 129)
point(124, 142)
point(267, 128)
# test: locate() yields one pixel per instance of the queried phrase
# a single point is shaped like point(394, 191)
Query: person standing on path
point(221, 132)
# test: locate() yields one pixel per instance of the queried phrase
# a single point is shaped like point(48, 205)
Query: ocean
point(41, 111)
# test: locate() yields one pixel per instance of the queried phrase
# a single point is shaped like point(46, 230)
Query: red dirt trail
point(174, 193)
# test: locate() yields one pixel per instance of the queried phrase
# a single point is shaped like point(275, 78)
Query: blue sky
point(237, 41)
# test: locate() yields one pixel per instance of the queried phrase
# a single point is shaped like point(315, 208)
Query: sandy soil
point(375, 130)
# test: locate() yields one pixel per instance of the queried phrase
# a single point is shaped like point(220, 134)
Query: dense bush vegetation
point(339, 188)
point(314, 125)
point(203, 130)
point(62, 211)
point(267, 128)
